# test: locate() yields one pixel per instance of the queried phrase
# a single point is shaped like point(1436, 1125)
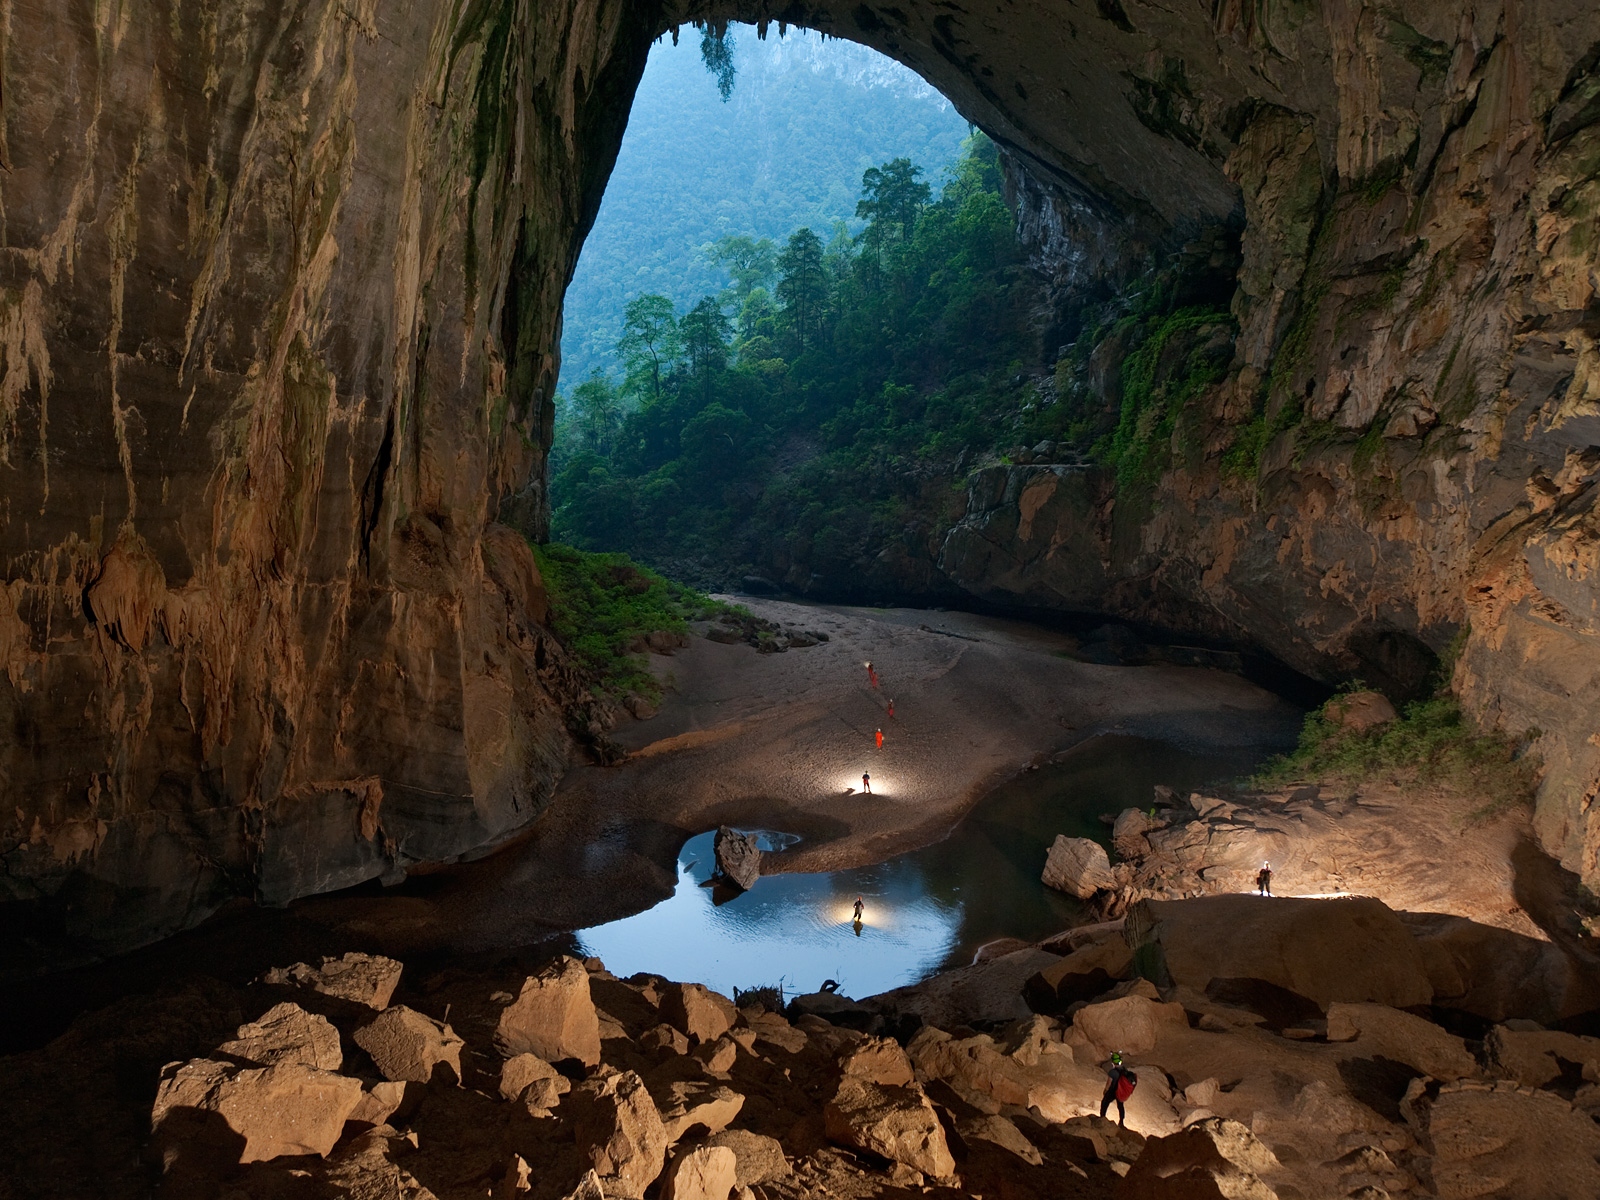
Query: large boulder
point(364, 1168)
point(368, 979)
point(1128, 833)
point(1213, 1159)
point(981, 994)
point(1535, 1057)
point(835, 1009)
point(878, 1060)
point(1499, 974)
point(773, 1030)
point(590, 1187)
point(619, 1132)
point(697, 1011)
point(1132, 1024)
point(408, 1046)
point(759, 1159)
point(553, 1016)
point(1360, 712)
point(1354, 950)
point(528, 1078)
point(1002, 1132)
point(664, 1040)
point(686, 1103)
point(286, 1033)
point(702, 1173)
point(989, 1079)
point(386, 1101)
point(1503, 1140)
point(719, 1056)
point(1087, 972)
point(1077, 866)
point(738, 857)
point(1378, 1031)
point(288, 1108)
point(896, 1123)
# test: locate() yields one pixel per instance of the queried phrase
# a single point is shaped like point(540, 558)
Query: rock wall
point(1408, 443)
point(279, 297)
point(279, 302)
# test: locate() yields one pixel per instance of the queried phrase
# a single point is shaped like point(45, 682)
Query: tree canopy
point(792, 421)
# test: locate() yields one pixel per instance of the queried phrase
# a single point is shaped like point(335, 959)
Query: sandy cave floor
point(780, 741)
point(773, 740)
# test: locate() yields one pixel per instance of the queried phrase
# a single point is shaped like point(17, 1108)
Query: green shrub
point(601, 604)
point(1432, 743)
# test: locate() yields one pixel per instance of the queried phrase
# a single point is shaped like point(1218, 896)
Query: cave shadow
point(1379, 1083)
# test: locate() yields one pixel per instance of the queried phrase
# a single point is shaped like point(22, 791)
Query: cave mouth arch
point(784, 145)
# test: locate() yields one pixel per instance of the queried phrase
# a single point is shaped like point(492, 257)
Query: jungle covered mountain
point(803, 118)
point(816, 420)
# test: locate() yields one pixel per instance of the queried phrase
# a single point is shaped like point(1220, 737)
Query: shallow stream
point(925, 910)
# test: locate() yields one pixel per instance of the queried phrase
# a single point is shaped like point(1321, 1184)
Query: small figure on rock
point(1264, 879)
point(891, 708)
point(1120, 1082)
point(866, 783)
point(879, 736)
point(872, 676)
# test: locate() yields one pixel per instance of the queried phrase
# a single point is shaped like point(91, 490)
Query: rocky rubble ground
point(1285, 1048)
point(769, 637)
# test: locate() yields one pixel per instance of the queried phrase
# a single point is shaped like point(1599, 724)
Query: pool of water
point(925, 910)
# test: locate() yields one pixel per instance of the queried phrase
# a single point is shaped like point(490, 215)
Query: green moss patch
point(602, 605)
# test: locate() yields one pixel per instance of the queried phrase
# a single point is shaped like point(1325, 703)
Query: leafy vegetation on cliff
point(1431, 743)
point(604, 606)
point(1182, 354)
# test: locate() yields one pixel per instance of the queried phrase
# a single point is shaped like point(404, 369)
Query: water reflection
point(798, 927)
point(921, 911)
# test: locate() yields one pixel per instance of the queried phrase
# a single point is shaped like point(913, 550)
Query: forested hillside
point(816, 410)
point(804, 119)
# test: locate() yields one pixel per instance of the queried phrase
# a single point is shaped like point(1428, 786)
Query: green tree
point(803, 286)
point(716, 51)
point(705, 332)
point(758, 326)
point(597, 412)
point(649, 344)
point(750, 262)
point(892, 196)
point(714, 445)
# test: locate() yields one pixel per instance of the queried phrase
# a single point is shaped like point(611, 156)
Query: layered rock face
point(280, 305)
point(280, 299)
point(1407, 441)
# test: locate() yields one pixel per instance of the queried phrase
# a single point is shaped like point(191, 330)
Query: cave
point(280, 313)
point(280, 351)
point(282, 307)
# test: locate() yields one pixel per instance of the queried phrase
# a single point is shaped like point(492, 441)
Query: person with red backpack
point(1120, 1082)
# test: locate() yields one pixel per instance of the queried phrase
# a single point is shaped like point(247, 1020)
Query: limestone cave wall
point(279, 299)
point(279, 304)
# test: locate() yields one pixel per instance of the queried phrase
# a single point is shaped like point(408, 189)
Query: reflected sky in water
point(925, 910)
point(795, 926)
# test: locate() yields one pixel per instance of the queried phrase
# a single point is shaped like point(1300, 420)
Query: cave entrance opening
point(803, 276)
